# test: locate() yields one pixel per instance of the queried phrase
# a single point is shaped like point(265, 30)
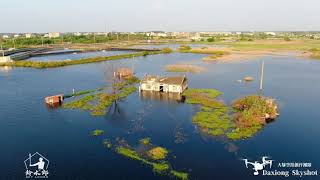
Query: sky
point(166, 15)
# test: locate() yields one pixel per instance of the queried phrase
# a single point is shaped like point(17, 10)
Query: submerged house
point(175, 84)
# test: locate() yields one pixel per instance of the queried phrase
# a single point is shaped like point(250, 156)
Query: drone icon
point(259, 166)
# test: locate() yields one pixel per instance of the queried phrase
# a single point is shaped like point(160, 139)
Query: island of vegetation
point(98, 103)
point(251, 113)
point(183, 68)
point(97, 132)
point(148, 154)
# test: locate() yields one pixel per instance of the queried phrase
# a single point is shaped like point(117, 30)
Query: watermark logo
point(36, 166)
point(267, 167)
point(257, 166)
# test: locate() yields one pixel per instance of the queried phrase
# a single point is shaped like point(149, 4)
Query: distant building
point(16, 35)
point(175, 84)
point(28, 35)
point(270, 33)
point(196, 37)
point(53, 34)
point(5, 36)
point(77, 34)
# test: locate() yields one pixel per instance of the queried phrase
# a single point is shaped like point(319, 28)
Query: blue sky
point(167, 15)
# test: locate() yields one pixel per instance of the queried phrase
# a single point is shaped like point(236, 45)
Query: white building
point(5, 36)
point(176, 84)
point(28, 35)
point(53, 34)
point(77, 34)
point(270, 33)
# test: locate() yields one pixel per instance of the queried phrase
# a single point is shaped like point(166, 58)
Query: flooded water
point(62, 135)
point(76, 56)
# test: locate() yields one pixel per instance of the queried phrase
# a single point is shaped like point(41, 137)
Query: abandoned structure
point(124, 73)
point(175, 84)
point(52, 100)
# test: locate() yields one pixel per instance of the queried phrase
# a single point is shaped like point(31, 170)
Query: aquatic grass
point(179, 175)
point(145, 141)
point(97, 132)
point(107, 143)
point(184, 48)
point(98, 103)
point(167, 50)
point(55, 64)
point(214, 118)
point(157, 153)
point(158, 165)
point(183, 68)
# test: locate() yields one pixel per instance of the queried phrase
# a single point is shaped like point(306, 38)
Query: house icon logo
point(257, 166)
point(36, 166)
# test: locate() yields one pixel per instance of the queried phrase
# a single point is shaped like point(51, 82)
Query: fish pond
point(77, 55)
point(152, 136)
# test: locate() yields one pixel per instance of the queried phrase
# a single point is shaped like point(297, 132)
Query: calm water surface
point(76, 56)
point(62, 135)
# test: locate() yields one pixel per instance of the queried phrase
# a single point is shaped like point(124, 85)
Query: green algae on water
point(179, 175)
point(97, 132)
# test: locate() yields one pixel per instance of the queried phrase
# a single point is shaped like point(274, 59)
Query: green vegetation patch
point(145, 141)
point(251, 113)
point(315, 53)
point(180, 175)
point(167, 50)
point(107, 143)
point(97, 132)
point(157, 153)
point(98, 103)
point(184, 48)
point(158, 164)
point(183, 68)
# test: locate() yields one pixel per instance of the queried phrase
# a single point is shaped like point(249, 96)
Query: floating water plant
point(179, 175)
point(97, 132)
point(145, 141)
point(107, 143)
point(157, 162)
point(157, 153)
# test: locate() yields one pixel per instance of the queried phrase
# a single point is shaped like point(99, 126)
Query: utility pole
point(262, 74)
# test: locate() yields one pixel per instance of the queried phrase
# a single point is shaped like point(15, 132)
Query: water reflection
point(5, 69)
point(161, 96)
